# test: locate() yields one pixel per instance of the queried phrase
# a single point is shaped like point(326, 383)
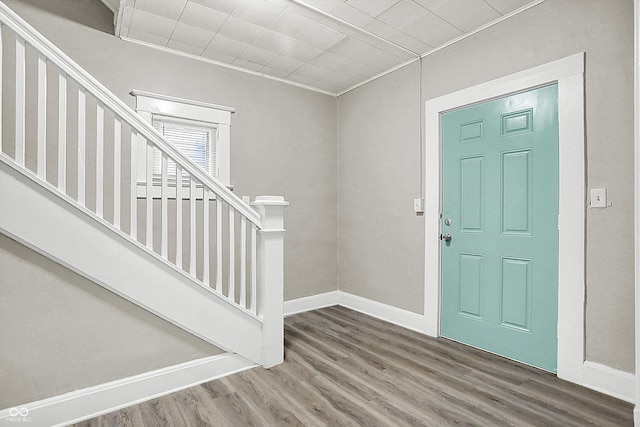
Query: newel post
point(270, 277)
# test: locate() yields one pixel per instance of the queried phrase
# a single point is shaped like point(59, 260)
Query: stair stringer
point(35, 214)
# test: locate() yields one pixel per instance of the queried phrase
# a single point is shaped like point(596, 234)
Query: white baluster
point(254, 279)
point(62, 133)
point(20, 101)
point(133, 227)
point(149, 240)
point(82, 107)
point(205, 235)
point(99, 160)
point(117, 164)
point(164, 233)
point(42, 118)
point(218, 245)
point(179, 216)
point(243, 261)
point(232, 256)
point(192, 226)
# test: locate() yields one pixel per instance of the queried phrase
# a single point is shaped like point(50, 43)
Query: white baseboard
point(636, 416)
point(388, 313)
point(397, 316)
point(94, 401)
point(613, 382)
point(312, 302)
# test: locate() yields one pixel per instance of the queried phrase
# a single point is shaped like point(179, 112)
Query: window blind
point(194, 140)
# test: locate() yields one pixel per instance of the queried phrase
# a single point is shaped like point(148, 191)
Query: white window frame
point(149, 105)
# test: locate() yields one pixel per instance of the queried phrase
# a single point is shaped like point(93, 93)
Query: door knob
point(445, 237)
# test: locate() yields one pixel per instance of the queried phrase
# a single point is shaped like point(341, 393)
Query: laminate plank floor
point(343, 368)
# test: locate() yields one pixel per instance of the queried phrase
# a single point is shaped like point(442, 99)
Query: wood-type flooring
point(343, 368)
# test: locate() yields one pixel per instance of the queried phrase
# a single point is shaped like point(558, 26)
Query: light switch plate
point(418, 205)
point(598, 197)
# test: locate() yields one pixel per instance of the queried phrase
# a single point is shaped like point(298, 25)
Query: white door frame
point(569, 75)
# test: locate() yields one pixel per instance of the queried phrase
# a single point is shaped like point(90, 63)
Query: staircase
point(189, 250)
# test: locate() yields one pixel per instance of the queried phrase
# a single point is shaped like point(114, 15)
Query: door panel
point(500, 191)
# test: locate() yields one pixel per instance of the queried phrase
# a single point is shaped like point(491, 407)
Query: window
point(201, 131)
point(196, 140)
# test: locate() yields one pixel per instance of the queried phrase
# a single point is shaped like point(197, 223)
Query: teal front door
point(500, 226)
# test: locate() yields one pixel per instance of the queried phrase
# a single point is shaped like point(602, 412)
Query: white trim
point(569, 74)
point(397, 316)
point(614, 382)
point(313, 302)
point(388, 313)
point(177, 100)
point(94, 401)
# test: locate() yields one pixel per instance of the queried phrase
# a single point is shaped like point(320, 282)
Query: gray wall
point(61, 332)
point(552, 30)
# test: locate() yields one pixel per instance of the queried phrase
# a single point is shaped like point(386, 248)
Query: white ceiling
point(328, 45)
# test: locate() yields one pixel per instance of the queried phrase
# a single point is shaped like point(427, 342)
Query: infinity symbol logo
point(14, 412)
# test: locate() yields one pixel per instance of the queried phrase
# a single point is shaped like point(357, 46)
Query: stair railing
point(82, 142)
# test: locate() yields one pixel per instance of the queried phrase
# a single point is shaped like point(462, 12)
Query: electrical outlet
point(418, 205)
point(598, 197)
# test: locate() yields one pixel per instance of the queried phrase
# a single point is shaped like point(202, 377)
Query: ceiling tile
point(380, 29)
point(225, 45)
point(224, 6)
point(305, 11)
point(324, 5)
point(184, 47)
point(302, 51)
point(203, 17)
point(356, 68)
point(292, 24)
point(432, 30)
point(372, 7)
point(351, 15)
point(257, 55)
point(218, 56)
point(273, 41)
point(507, 6)
point(167, 8)
point(402, 13)
point(288, 40)
point(409, 42)
point(257, 12)
point(152, 24)
point(468, 15)
point(285, 64)
point(434, 5)
point(240, 30)
point(322, 37)
point(194, 36)
point(247, 65)
point(330, 61)
point(310, 71)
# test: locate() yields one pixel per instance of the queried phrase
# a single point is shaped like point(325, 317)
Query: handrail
point(72, 69)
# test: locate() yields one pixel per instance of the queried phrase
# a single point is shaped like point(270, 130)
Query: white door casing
point(569, 74)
